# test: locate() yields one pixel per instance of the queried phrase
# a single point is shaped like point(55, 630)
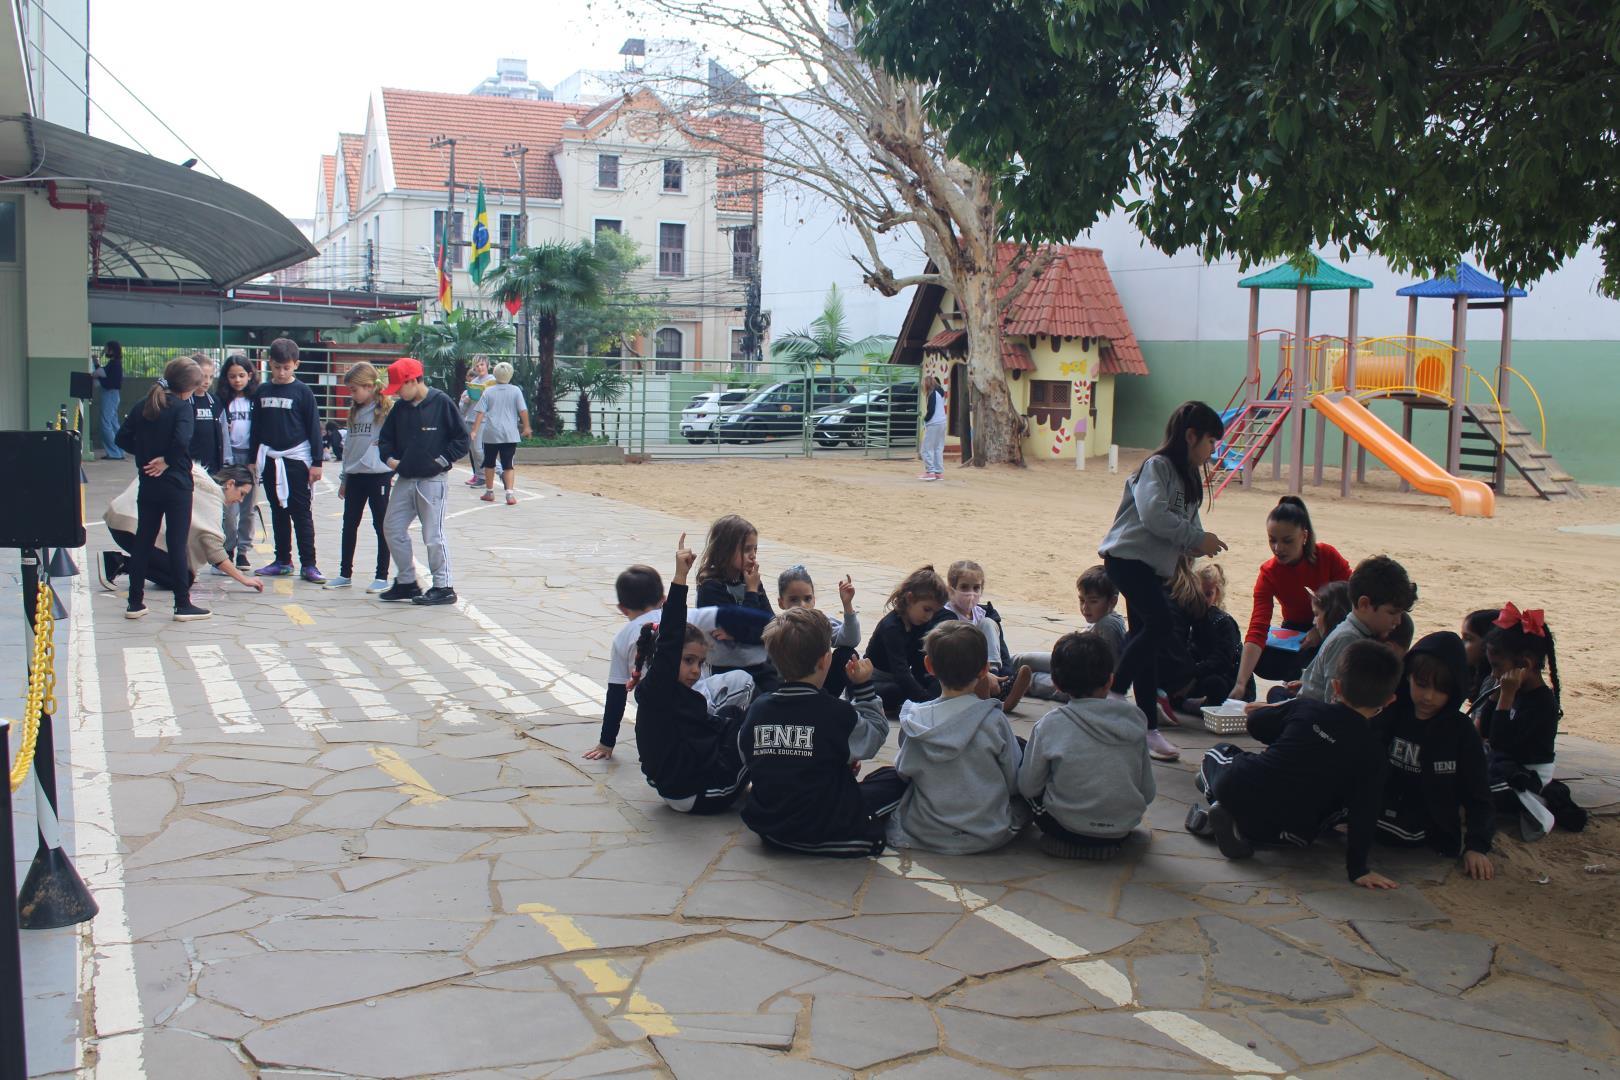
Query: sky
point(260, 91)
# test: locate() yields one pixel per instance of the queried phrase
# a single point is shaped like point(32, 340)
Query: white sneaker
point(1161, 748)
point(377, 586)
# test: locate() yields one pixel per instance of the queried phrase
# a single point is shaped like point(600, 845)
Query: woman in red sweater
point(1299, 567)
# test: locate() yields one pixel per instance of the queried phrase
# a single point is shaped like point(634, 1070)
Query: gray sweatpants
point(1041, 686)
point(933, 449)
point(422, 499)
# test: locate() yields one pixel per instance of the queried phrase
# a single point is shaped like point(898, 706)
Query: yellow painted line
point(265, 548)
point(298, 615)
point(411, 782)
point(283, 586)
point(604, 975)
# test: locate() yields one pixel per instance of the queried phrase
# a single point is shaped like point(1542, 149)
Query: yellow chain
point(41, 685)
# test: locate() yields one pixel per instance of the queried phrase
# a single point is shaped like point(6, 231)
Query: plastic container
point(1219, 720)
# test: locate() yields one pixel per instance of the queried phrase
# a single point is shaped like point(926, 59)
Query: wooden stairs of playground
point(1501, 434)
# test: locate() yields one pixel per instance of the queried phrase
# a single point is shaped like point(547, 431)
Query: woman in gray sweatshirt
point(1157, 522)
point(364, 480)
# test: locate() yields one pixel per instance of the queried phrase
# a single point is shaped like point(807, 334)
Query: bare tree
point(849, 133)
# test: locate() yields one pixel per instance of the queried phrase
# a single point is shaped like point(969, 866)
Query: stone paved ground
point(332, 837)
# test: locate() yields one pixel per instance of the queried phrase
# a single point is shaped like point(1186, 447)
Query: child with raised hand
point(1322, 763)
point(958, 753)
point(1381, 593)
point(1086, 770)
point(363, 478)
point(795, 589)
point(687, 739)
point(1437, 793)
point(1519, 722)
point(915, 607)
point(1155, 525)
point(729, 575)
point(800, 745)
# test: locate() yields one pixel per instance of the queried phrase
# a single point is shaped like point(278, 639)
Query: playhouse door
point(960, 410)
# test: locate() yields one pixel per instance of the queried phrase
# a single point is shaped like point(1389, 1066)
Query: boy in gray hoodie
point(959, 753)
point(1086, 769)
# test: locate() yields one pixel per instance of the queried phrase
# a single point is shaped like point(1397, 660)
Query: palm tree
point(825, 340)
point(445, 348)
point(390, 331)
point(591, 379)
point(549, 278)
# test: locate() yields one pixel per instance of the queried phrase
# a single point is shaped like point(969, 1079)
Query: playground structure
point(1335, 375)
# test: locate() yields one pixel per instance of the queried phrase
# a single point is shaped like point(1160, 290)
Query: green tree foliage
point(1416, 130)
point(826, 339)
point(550, 279)
point(622, 312)
point(447, 348)
point(591, 379)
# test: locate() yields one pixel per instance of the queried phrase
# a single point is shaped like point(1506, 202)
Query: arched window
point(667, 347)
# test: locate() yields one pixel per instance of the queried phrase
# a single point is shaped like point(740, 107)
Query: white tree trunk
point(995, 423)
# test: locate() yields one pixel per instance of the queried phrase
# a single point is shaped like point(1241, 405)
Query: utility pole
point(755, 323)
point(521, 152)
point(443, 239)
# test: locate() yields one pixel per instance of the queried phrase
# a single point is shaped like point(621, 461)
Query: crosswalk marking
point(225, 698)
point(579, 695)
point(351, 678)
point(150, 710)
point(297, 700)
point(508, 700)
point(399, 660)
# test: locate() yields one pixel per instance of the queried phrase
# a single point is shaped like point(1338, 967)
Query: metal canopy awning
point(165, 222)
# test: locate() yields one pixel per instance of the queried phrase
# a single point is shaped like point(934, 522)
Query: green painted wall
point(48, 386)
point(1579, 384)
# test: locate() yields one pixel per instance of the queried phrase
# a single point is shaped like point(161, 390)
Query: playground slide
point(1469, 498)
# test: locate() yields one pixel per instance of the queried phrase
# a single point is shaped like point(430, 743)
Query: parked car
point(778, 411)
point(699, 416)
point(885, 416)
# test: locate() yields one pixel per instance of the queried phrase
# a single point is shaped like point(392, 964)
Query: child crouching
point(958, 753)
point(1086, 770)
point(799, 745)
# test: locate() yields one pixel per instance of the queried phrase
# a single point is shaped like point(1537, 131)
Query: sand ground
point(1035, 529)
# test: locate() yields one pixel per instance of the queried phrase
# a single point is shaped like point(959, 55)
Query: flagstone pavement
point(332, 837)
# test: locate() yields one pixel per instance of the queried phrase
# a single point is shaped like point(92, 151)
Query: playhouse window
point(1049, 402)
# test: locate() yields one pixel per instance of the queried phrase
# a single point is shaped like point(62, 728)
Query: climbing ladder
point(1502, 435)
point(1249, 430)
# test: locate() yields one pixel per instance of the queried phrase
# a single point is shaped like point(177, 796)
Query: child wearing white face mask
point(965, 580)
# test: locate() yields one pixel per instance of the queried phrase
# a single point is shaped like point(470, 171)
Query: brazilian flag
point(480, 240)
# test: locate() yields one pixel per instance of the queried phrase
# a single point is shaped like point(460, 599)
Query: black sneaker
point(1561, 802)
point(135, 611)
point(439, 594)
point(1232, 843)
point(112, 565)
point(242, 561)
point(191, 613)
point(400, 592)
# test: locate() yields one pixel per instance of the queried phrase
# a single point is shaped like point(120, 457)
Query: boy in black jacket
point(286, 447)
point(1319, 760)
point(800, 744)
point(421, 438)
point(208, 437)
point(1437, 761)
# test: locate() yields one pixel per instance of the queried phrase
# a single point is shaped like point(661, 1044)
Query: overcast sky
point(260, 91)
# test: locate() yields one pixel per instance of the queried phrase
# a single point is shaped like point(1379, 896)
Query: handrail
point(1540, 409)
point(1390, 391)
point(1501, 413)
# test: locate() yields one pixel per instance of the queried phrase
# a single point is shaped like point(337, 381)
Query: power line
point(86, 92)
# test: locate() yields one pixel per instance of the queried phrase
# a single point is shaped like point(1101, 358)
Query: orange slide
point(1469, 498)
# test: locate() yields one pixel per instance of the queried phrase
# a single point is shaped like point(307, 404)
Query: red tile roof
point(328, 177)
point(1075, 298)
point(945, 340)
point(1015, 357)
point(741, 145)
point(482, 127)
point(351, 145)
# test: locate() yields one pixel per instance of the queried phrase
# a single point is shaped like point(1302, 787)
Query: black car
point(778, 411)
point(885, 416)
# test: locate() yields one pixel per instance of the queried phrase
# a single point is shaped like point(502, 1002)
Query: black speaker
point(81, 385)
point(39, 489)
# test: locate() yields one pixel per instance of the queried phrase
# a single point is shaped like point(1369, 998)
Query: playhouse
point(1332, 376)
point(1065, 339)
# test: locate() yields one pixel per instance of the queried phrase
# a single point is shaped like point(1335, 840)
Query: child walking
point(502, 416)
point(158, 432)
point(287, 448)
point(916, 606)
point(238, 383)
point(421, 438)
point(729, 575)
point(363, 479)
point(1156, 524)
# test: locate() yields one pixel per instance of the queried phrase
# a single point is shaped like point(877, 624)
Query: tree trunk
point(996, 424)
point(458, 378)
point(582, 414)
point(545, 395)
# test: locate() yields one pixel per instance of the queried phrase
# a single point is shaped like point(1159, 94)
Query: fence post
point(13, 1052)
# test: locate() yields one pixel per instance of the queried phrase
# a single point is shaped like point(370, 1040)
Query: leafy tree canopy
point(826, 340)
point(620, 313)
point(1419, 130)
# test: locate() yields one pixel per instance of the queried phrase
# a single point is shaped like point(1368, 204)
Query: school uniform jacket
point(284, 416)
point(208, 436)
point(744, 650)
point(424, 436)
point(798, 744)
point(896, 650)
point(167, 437)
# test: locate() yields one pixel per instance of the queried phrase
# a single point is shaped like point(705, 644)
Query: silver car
point(699, 417)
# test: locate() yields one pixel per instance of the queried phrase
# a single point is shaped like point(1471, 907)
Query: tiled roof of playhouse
point(329, 175)
point(350, 146)
point(1074, 297)
point(481, 126)
point(1015, 357)
point(1466, 282)
point(945, 341)
point(1287, 276)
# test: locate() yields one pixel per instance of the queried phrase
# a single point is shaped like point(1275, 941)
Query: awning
point(1015, 357)
point(165, 222)
point(945, 341)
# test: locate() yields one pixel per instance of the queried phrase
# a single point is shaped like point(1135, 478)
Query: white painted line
point(1105, 980)
point(225, 699)
point(349, 676)
point(301, 704)
point(399, 660)
point(109, 973)
point(1208, 1043)
point(150, 711)
point(502, 694)
point(576, 693)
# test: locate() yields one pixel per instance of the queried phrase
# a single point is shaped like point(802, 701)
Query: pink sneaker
point(925, 476)
point(1161, 748)
point(477, 481)
point(511, 498)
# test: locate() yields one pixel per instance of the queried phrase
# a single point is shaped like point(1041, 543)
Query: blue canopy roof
point(1466, 282)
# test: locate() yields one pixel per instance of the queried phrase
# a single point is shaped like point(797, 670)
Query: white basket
point(1219, 721)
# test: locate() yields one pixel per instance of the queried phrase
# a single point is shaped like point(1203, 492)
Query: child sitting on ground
point(965, 580)
point(1519, 722)
point(729, 575)
point(794, 589)
point(916, 606)
point(1399, 639)
point(1098, 599)
point(1330, 606)
point(958, 753)
point(686, 738)
point(640, 594)
point(1476, 627)
point(1437, 793)
point(1380, 594)
point(1205, 645)
point(1322, 762)
point(799, 745)
point(1086, 770)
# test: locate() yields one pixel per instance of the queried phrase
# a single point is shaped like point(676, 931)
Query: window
point(742, 253)
point(372, 178)
point(1049, 402)
point(8, 231)
point(667, 349)
point(458, 249)
point(509, 229)
point(607, 170)
point(671, 250)
point(739, 346)
point(607, 224)
point(674, 174)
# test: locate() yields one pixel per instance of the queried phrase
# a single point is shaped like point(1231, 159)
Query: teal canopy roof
point(1287, 276)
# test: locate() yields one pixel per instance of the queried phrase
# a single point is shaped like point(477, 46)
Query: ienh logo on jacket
point(788, 740)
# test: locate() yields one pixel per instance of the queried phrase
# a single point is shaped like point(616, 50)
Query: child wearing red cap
point(421, 438)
